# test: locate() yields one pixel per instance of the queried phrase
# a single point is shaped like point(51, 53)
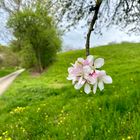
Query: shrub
point(8, 58)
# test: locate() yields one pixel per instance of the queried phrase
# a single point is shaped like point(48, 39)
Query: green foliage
point(5, 71)
point(8, 58)
point(48, 106)
point(34, 28)
point(28, 59)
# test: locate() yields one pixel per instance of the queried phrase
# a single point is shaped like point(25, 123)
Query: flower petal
point(101, 85)
point(80, 60)
point(92, 80)
point(74, 80)
point(102, 73)
point(99, 62)
point(94, 88)
point(70, 69)
point(78, 86)
point(81, 81)
point(90, 59)
point(87, 88)
point(69, 78)
point(107, 79)
point(87, 70)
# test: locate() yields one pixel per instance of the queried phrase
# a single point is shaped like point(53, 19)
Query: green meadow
point(6, 71)
point(47, 107)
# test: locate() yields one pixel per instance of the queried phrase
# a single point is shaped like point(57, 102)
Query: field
point(47, 107)
point(5, 71)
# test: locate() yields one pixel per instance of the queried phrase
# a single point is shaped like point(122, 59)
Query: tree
point(12, 6)
point(35, 29)
point(101, 12)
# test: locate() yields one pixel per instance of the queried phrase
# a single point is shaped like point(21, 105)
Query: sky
point(5, 34)
point(75, 39)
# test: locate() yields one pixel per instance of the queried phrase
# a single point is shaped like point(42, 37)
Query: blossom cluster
point(85, 72)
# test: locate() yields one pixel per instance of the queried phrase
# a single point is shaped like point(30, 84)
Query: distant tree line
point(8, 58)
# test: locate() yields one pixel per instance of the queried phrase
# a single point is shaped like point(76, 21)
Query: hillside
point(49, 108)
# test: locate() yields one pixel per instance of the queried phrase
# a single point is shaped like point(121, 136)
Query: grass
point(6, 71)
point(49, 108)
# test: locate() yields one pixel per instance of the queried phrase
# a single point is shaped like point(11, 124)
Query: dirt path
point(6, 81)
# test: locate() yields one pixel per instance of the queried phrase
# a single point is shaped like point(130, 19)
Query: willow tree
point(40, 40)
point(101, 13)
point(11, 7)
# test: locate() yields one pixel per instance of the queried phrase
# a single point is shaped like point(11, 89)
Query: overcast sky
point(75, 39)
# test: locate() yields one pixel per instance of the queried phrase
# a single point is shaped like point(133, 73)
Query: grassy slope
point(50, 108)
point(6, 71)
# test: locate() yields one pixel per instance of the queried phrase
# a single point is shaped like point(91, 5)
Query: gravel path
point(6, 81)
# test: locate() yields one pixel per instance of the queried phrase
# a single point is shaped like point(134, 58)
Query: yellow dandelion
point(19, 109)
point(108, 131)
point(11, 112)
point(23, 130)
point(8, 138)
point(38, 109)
point(131, 79)
point(100, 108)
point(46, 117)
point(5, 133)
point(67, 133)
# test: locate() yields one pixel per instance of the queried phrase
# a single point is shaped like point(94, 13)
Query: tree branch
point(93, 21)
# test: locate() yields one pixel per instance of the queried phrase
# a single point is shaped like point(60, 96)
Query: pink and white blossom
point(101, 79)
point(84, 73)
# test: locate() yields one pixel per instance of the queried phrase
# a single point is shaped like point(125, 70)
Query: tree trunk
point(93, 21)
point(40, 68)
point(39, 64)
